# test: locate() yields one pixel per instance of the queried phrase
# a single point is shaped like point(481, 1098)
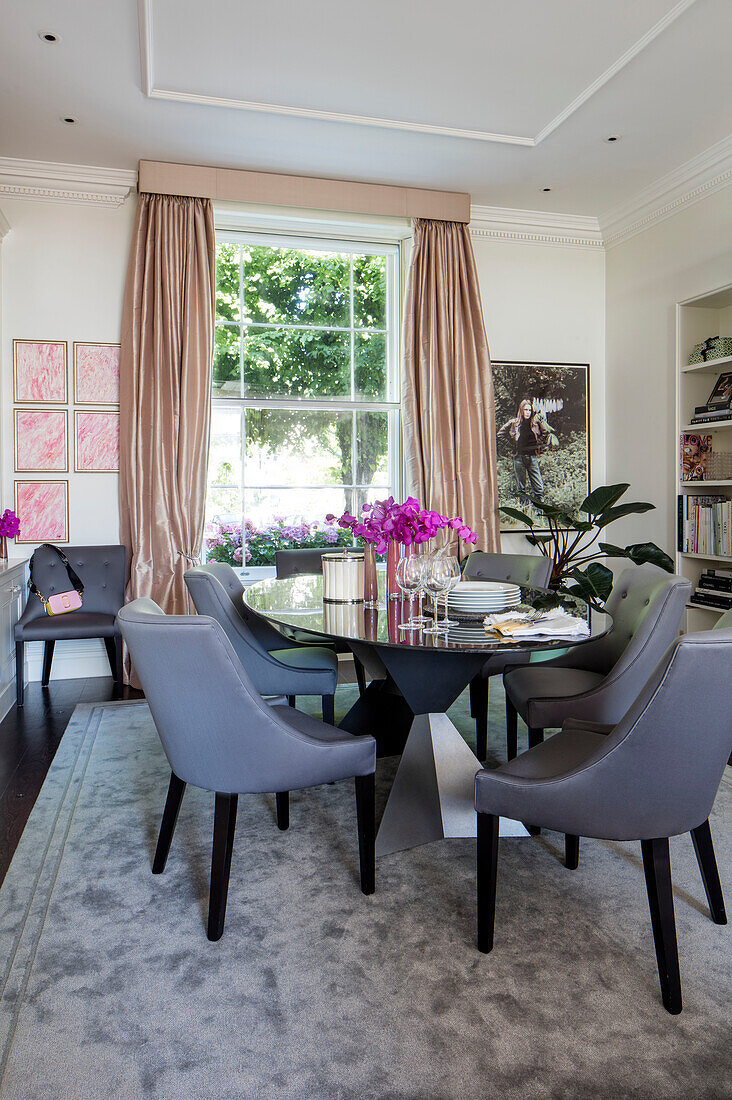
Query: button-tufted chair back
point(291, 563)
point(101, 568)
point(533, 570)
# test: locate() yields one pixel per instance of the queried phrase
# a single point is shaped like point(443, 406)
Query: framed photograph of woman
point(543, 435)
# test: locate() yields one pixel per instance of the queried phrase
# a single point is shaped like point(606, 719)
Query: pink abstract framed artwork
point(41, 441)
point(43, 510)
point(39, 371)
point(96, 373)
point(96, 442)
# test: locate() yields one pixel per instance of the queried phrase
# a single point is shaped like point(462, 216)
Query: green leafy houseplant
point(570, 543)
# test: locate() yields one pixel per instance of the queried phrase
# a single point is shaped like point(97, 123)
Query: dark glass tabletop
point(297, 602)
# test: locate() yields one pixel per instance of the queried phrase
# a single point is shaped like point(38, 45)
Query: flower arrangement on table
point(9, 527)
point(385, 522)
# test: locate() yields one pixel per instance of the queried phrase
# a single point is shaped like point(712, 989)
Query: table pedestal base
point(433, 795)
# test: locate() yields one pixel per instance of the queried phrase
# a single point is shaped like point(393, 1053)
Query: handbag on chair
point(61, 602)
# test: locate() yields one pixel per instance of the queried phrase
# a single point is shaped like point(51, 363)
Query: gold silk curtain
point(449, 422)
point(165, 394)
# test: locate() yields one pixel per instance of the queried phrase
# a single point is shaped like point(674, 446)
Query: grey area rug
point(111, 989)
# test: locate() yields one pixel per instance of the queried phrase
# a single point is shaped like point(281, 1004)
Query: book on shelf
point(716, 584)
point(693, 451)
point(707, 418)
point(707, 599)
point(705, 525)
point(701, 409)
point(719, 573)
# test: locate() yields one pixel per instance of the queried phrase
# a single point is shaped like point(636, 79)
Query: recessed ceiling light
point(613, 137)
point(49, 36)
point(546, 188)
point(71, 121)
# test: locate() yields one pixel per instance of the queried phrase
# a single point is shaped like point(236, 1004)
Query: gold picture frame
point(89, 413)
point(39, 537)
point(40, 400)
point(80, 400)
point(33, 411)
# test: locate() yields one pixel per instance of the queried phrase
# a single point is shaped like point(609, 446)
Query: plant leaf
point(602, 498)
point(622, 510)
point(643, 552)
point(596, 580)
point(536, 540)
point(611, 550)
point(515, 513)
point(565, 520)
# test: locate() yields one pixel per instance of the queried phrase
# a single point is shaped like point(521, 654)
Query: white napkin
point(557, 623)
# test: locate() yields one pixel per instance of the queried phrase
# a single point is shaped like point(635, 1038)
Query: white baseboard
point(71, 660)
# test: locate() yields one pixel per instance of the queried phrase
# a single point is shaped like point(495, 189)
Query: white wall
point(63, 277)
point(546, 303)
point(679, 258)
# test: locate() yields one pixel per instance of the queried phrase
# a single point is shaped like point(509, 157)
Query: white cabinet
point(13, 576)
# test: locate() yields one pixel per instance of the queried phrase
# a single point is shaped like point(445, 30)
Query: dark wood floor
point(29, 738)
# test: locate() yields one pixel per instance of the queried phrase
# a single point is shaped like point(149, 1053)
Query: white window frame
point(367, 245)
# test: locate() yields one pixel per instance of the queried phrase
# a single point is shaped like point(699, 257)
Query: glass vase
point(370, 583)
point(3, 548)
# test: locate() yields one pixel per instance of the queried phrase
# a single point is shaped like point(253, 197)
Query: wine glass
point(414, 574)
point(452, 579)
point(436, 579)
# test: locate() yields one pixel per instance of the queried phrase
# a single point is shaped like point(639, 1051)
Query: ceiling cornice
point(535, 226)
point(146, 33)
point(67, 183)
point(697, 179)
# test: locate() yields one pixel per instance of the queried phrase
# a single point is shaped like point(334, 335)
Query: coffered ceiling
point(498, 99)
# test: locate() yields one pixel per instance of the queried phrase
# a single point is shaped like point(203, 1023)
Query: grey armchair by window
point(220, 735)
point(103, 572)
point(274, 669)
point(597, 681)
point(530, 569)
point(653, 776)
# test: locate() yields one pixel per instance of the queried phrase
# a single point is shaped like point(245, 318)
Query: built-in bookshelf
point(696, 320)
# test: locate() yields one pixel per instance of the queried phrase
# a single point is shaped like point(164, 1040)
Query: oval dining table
point(415, 677)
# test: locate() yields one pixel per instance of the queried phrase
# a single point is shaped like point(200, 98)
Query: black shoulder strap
point(74, 577)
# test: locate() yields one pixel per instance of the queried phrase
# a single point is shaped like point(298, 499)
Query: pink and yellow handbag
point(61, 602)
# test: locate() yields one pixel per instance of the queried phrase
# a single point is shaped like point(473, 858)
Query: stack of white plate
point(470, 599)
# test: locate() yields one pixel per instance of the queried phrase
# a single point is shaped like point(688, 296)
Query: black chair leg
point(283, 810)
point(657, 867)
point(19, 672)
point(223, 846)
point(360, 675)
point(571, 851)
point(291, 700)
point(487, 867)
point(366, 821)
point(176, 790)
point(511, 730)
point(479, 711)
point(48, 648)
point(704, 848)
point(114, 656)
point(329, 709)
point(536, 736)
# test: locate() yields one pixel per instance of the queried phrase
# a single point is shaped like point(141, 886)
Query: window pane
point(227, 282)
point(288, 447)
point(372, 458)
point(296, 287)
point(296, 363)
point(226, 362)
point(369, 291)
point(369, 363)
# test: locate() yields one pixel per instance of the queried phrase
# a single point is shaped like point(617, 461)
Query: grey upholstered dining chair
point(533, 570)
point(597, 681)
point(292, 563)
point(274, 669)
point(102, 569)
point(219, 734)
point(653, 776)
